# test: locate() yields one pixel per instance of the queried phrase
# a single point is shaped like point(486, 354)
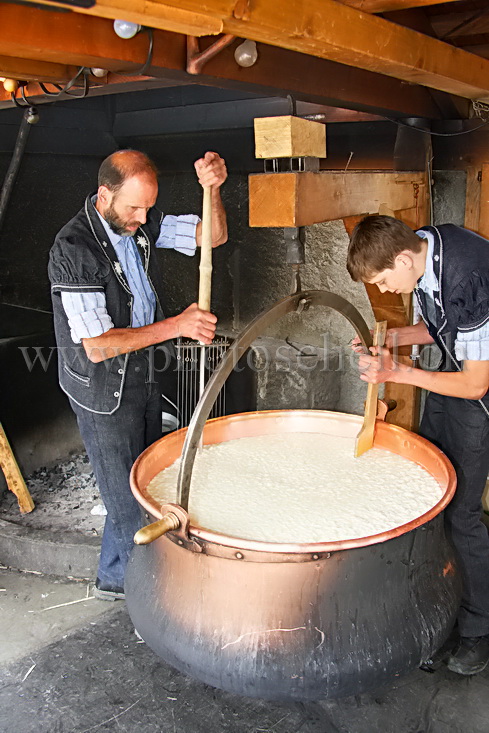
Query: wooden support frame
point(322, 28)
point(300, 199)
point(82, 40)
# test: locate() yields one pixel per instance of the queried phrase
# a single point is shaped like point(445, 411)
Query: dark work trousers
point(461, 429)
point(113, 442)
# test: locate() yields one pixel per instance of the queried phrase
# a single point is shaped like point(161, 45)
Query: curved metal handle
point(298, 302)
point(151, 532)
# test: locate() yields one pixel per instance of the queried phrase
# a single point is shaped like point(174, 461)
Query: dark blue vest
point(82, 259)
point(461, 267)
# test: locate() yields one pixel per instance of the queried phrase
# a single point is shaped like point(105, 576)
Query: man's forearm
point(408, 335)
point(452, 384)
point(219, 221)
point(118, 341)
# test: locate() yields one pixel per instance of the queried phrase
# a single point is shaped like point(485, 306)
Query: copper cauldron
point(292, 621)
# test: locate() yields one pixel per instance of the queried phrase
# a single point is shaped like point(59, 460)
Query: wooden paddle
point(365, 437)
point(205, 267)
point(13, 476)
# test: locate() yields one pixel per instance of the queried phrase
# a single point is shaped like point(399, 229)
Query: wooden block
point(289, 137)
point(300, 199)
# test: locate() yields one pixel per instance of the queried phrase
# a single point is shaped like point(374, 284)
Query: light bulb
point(11, 85)
point(100, 73)
point(126, 29)
point(246, 54)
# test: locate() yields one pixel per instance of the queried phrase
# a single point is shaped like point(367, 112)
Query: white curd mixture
point(300, 488)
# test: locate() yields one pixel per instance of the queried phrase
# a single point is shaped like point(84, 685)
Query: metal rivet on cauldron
point(315, 557)
point(328, 555)
point(239, 555)
point(180, 542)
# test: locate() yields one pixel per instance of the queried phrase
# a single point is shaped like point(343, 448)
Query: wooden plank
point(365, 438)
point(472, 199)
point(286, 136)
point(483, 228)
point(300, 199)
point(13, 476)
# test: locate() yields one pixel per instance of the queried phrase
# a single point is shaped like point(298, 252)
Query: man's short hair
point(124, 164)
point(375, 243)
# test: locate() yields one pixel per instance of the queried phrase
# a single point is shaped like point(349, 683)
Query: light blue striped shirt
point(87, 312)
point(471, 345)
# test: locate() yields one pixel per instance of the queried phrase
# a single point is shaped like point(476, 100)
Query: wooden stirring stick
point(205, 276)
point(365, 437)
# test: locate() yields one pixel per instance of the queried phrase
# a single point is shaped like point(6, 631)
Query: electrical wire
point(149, 57)
point(437, 134)
point(60, 89)
point(85, 71)
point(66, 88)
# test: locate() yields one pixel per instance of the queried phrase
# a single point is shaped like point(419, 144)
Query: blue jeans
point(461, 429)
point(113, 442)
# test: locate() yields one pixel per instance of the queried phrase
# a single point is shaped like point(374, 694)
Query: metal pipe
point(29, 118)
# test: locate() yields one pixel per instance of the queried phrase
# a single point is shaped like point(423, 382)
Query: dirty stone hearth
point(65, 495)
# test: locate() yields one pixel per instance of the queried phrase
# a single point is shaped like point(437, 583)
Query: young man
point(107, 302)
point(447, 267)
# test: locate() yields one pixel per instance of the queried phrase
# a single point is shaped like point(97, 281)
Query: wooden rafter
point(153, 14)
point(326, 29)
point(26, 69)
point(81, 40)
point(383, 6)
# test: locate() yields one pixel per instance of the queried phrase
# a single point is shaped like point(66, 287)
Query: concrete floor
point(79, 668)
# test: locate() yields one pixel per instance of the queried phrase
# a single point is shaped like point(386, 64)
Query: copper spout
point(168, 523)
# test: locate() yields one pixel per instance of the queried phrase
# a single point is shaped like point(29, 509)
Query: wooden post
point(473, 198)
point(483, 229)
point(13, 476)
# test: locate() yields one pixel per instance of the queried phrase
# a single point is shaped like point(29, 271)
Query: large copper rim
point(165, 451)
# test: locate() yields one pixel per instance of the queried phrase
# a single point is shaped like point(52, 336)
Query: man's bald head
point(122, 165)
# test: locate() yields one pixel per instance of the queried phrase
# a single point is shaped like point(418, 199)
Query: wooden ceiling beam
point(322, 28)
point(28, 70)
point(155, 15)
point(70, 38)
point(383, 6)
point(327, 29)
point(79, 40)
